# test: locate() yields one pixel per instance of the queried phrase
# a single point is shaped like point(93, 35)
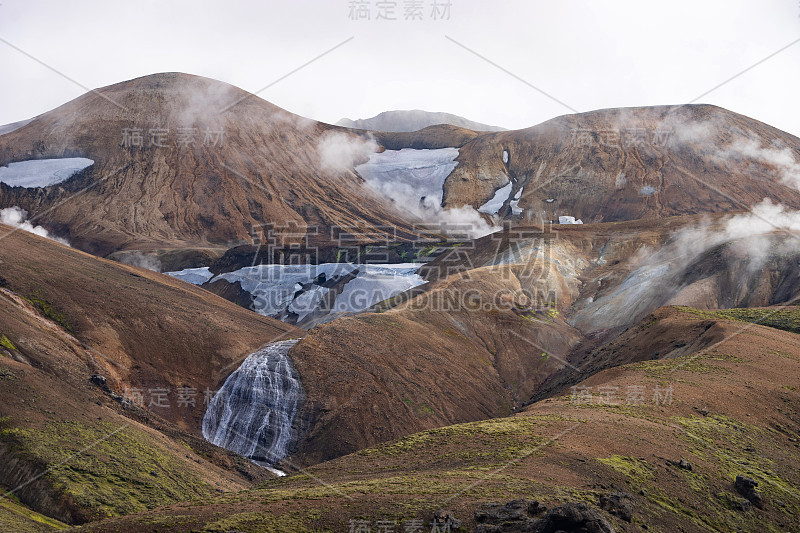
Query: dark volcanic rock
point(619, 504)
point(516, 515)
point(574, 517)
point(445, 521)
point(683, 464)
point(525, 516)
point(233, 292)
point(747, 488)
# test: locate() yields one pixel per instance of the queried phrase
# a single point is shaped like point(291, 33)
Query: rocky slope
point(96, 356)
point(626, 164)
point(498, 321)
point(188, 162)
point(655, 445)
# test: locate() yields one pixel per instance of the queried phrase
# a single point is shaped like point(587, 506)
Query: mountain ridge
point(409, 120)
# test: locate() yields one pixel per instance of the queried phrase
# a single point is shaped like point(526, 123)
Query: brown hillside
point(145, 330)
point(265, 168)
point(629, 163)
point(728, 409)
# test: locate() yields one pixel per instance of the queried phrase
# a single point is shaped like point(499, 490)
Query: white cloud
point(339, 151)
point(18, 218)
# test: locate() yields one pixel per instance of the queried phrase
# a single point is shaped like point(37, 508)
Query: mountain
point(184, 162)
point(631, 163)
point(184, 168)
point(413, 120)
point(8, 128)
point(450, 371)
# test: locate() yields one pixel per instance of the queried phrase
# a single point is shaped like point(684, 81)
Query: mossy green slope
point(106, 469)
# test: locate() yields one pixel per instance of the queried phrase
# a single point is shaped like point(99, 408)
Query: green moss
point(472, 445)
point(20, 519)
point(694, 363)
point(736, 448)
point(787, 318)
point(7, 344)
point(48, 311)
point(638, 470)
point(107, 470)
point(251, 522)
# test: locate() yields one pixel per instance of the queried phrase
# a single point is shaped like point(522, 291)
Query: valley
point(295, 326)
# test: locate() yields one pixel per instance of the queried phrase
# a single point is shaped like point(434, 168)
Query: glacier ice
point(297, 288)
point(376, 283)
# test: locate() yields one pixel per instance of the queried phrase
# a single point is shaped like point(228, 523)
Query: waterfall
point(252, 413)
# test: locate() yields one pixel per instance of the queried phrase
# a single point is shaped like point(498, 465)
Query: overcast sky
point(584, 54)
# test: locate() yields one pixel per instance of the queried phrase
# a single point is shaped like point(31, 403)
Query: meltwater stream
point(252, 413)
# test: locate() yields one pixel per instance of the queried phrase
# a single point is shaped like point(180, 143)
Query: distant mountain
point(413, 120)
point(8, 128)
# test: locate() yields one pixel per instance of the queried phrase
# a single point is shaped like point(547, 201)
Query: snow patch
point(279, 288)
point(648, 190)
point(569, 220)
point(308, 301)
point(505, 156)
point(42, 172)
point(500, 196)
point(409, 173)
point(376, 283)
point(195, 276)
point(413, 180)
point(515, 208)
